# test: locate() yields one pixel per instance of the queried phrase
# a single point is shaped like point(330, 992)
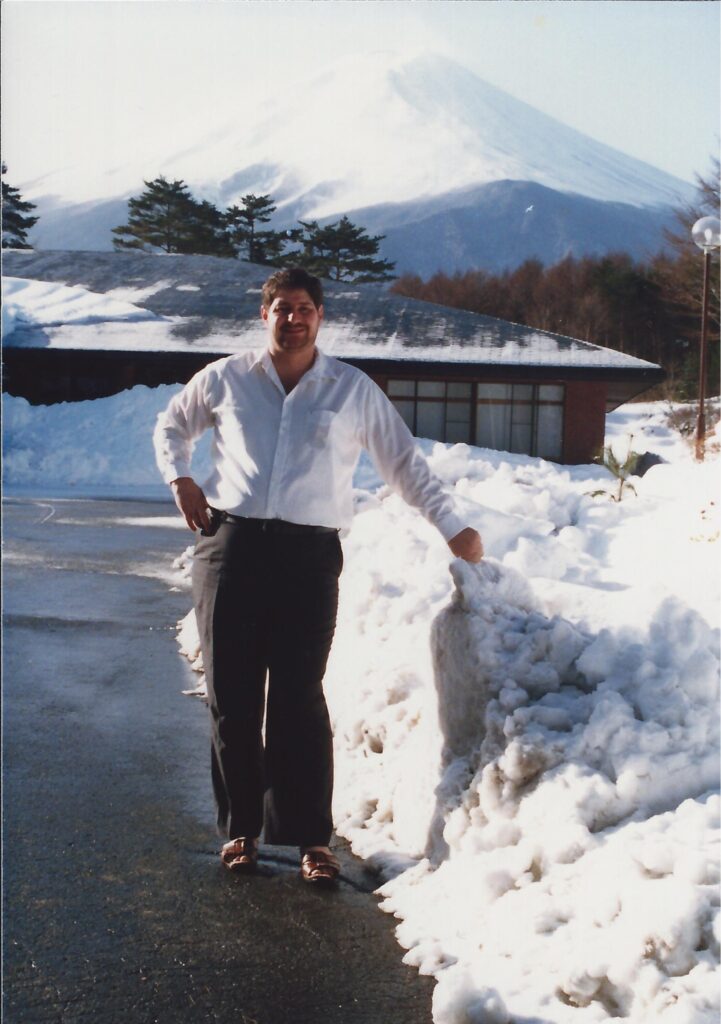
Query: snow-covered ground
point(527, 749)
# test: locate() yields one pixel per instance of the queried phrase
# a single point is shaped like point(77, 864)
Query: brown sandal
point(319, 867)
point(240, 855)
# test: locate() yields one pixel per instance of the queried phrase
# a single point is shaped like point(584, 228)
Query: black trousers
point(266, 603)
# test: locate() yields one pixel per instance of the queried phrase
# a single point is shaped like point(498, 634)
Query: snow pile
point(527, 749)
point(86, 446)
point(46, 304)
point(548, 870)
point(534, 763)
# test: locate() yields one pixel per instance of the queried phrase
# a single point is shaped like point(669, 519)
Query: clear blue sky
point(96, 77)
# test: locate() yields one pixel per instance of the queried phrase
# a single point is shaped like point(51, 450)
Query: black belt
point(272, 525)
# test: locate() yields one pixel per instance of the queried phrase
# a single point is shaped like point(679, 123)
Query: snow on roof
point(137, 301)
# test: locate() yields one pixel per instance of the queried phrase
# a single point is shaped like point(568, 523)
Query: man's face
point(292, 321)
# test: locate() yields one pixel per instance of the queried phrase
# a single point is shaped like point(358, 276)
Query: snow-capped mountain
point(500, 225)
point(376, 129)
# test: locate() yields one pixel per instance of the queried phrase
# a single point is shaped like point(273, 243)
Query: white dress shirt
point(292, 456)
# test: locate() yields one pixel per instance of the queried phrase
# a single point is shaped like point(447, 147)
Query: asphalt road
point(116, 906)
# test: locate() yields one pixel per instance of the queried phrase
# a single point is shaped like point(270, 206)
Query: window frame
point(536, 401)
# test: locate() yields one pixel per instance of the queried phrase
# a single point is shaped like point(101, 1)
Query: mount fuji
point(453, 171)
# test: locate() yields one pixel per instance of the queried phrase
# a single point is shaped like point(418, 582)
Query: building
point(454, 376)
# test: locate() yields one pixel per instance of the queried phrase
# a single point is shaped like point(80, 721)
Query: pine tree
point(208, 232)
point(167, 217)
point(312, 256)
point(342, 252)
point(16, 221)
point(242, 221)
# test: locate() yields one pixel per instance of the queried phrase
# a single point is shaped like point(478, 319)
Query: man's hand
point(467, 545)
point(192, 502)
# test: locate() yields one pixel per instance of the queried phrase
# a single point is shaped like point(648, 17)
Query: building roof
point(205, 303)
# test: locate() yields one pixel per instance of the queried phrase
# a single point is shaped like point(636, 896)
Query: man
point(288, 428)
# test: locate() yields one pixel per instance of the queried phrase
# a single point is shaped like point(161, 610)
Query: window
point(549, 421)
point(522, 418)
point(434, 408)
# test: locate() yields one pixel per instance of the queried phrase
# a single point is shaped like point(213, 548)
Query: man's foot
point(318, 866)
point(240, 855)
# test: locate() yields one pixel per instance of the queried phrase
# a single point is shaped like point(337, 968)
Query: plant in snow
point(621, 470)
point(684, 417)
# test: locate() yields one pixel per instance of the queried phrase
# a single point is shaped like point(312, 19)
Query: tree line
point(650, 309)
point(168, 218)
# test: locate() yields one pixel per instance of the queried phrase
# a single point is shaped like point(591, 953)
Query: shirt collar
point(323, 367)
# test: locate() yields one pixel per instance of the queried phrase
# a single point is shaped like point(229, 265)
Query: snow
point(535, 348)
point(527, 750)
point(103, 444)
point(46, 304)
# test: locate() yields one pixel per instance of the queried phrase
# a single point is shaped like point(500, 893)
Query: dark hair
point(292, 277)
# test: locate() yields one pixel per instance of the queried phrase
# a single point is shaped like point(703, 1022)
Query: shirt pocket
point(321, 422)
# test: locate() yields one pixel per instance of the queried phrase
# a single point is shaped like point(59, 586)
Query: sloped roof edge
point(210, 304)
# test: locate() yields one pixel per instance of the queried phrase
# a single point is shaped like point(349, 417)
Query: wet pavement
point(116, 906)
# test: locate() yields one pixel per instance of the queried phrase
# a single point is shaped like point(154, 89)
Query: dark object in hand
point(215, 517)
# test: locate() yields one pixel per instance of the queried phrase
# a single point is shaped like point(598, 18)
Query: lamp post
point(706, 233)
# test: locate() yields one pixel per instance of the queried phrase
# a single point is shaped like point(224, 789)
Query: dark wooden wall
point(584, 421)
point(46, 376)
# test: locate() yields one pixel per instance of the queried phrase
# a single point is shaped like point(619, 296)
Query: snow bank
point(46, 303)
point(526, 749)
point(568, 886)
point(86, 446)
point(530, 751)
